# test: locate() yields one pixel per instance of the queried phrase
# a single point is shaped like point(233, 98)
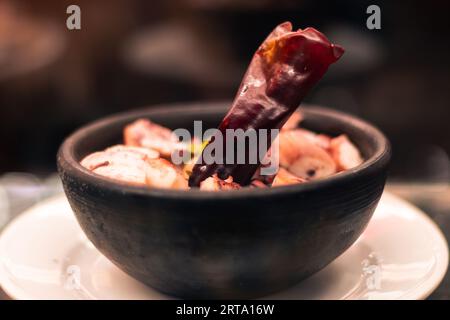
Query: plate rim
point(442, 268)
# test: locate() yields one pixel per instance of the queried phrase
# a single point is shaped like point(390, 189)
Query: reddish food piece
point(284, 178)
point(323, 141)
point(162, 174)
point(302, 157)
point(258, 184)
point(144, 133)
point(283, 70)
point(214, 183)
point(344, 153)
point(294, 121)
point(263, 178)
point(320, 140)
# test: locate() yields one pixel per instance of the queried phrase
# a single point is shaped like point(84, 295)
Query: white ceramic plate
point(45, 255)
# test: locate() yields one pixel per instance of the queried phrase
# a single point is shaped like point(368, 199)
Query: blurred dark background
point(135, 53)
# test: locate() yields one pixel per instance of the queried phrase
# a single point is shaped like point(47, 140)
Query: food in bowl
point(144, 158)
point(283, 70)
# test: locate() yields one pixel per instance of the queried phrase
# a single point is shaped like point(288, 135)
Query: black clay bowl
point(234, 244)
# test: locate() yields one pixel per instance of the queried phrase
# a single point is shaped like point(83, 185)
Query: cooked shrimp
point(144, 133)
point(162, 174)
point(255, 183)
point(214, 184)
point(119, 164)
point(302, 157)
point(284, 177)
point(293, 121)
point(266, 179)
point(344, 153)
point(320, 140)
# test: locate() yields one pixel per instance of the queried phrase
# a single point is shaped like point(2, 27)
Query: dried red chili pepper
point(283, 70)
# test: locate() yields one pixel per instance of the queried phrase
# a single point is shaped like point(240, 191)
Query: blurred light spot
point(4, 207)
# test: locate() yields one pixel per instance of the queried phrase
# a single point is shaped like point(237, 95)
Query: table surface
point(433, 199)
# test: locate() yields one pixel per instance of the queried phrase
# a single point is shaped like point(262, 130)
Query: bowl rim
point(68, 164)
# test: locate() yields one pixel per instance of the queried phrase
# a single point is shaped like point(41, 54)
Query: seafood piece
point(145, 133)
point(284, 177)
point(300, 156)
point(286, 66)
point(214, 184)
point(136, 166)
point(161, 173)
point(265, 179)
point(258, 184)
point(149, 153)
point(293, 121)
point(96, 160)
point(119, 154)
point(321, 140)
point(122, 172)
point(345, 153)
